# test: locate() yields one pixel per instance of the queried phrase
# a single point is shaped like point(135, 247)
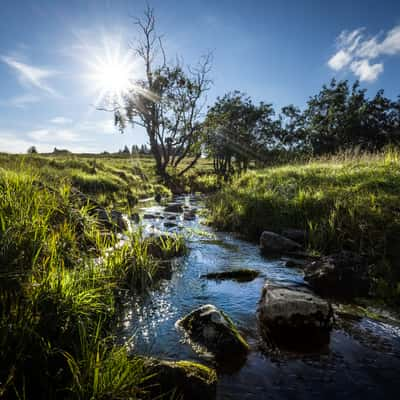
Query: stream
point(363, 360)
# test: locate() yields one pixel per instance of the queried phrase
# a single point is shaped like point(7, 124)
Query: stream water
point(363, 360)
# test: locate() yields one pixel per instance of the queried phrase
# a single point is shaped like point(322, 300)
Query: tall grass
point(58, 279)
point(343, 202)
point(101, 370)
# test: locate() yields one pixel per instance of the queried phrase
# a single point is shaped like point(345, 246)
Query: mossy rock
point(239, 275)
point(211, 331)
point(180, 379)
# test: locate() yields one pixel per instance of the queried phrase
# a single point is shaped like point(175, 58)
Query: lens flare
point(111, 72)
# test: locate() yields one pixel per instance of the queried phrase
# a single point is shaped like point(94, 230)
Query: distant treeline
point(138, 150)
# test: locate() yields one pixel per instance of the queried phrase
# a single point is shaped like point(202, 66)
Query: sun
point(112, 76)
point(111, 73)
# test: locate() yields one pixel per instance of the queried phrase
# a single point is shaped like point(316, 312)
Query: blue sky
point(278, 51)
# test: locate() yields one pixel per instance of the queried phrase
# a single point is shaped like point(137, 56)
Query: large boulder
point(297, 235)
point(211, 331)
point(180, 379)
point(342, 275)
point(294, 318)
point(273, 244)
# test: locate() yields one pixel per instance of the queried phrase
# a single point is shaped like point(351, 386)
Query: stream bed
point(363, 359)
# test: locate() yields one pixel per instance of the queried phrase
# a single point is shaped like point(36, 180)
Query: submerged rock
point(239, 275)
point(341, 275)
point(212, 331)
point(294, 318)
point(272, 244)
point(174, 208)
point(180, 379)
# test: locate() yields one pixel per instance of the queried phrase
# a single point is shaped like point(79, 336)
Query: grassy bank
point(60, 286)
point(343, 203)
point(117, 182)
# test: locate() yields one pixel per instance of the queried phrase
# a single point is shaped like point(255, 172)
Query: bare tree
point(168, 102)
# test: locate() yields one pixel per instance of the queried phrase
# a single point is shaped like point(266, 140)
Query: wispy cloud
point(30, 75)
point(356, 52)
point(61, 121)
point(21, 101)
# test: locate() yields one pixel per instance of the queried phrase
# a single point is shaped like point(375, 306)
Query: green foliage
point(339, 117)
point(236, 128)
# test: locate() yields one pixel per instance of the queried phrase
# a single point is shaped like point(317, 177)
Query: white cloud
point(30, 75)
point(366, 71)
point(339, 60)
point(355, 51)
point(391, 43)
point(62, 135)
point(61, 121)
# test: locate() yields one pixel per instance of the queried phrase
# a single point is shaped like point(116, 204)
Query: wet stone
point(210, 330)
point(294, 318)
